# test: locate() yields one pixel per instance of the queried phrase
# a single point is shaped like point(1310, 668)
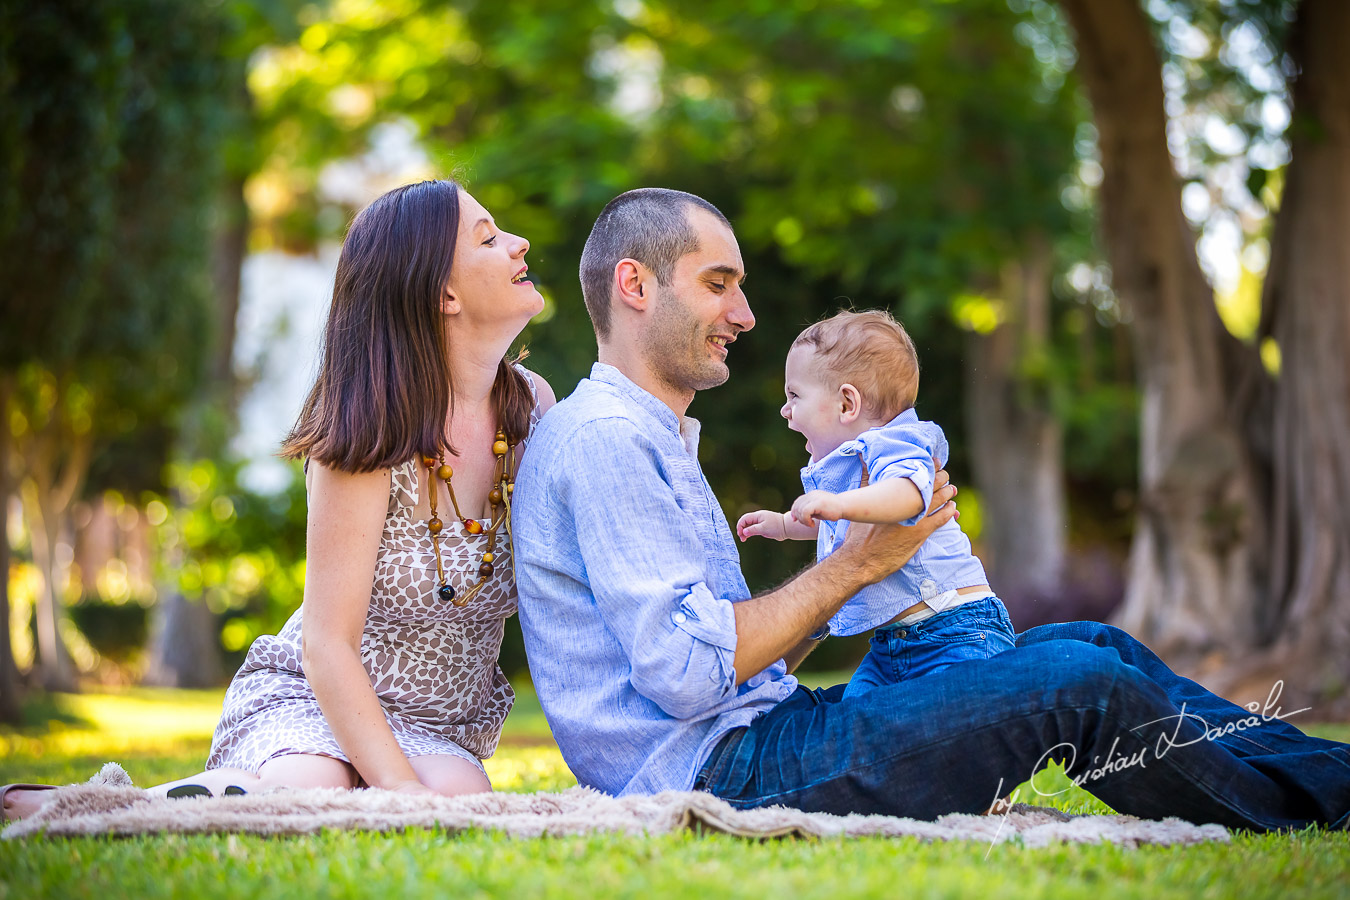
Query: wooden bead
point(488, 557)
point(494, 496)
point(472, 526)
point(500, 448)
point(445, 473)
point(485, 570)
point(428, 461)
point(510, 489)
point(435, 525)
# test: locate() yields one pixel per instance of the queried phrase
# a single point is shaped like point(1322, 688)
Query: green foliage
point(241, 552)
point(870, 155)
point(109, 183)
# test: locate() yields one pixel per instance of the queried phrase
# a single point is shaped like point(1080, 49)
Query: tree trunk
point(1016, 442)
point(1306, 309)
point(11, 684)
point(1189, 573)
point(184, 645)
point(47, 499)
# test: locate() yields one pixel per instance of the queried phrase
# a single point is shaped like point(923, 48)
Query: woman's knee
point(450, 775)
point(307, 771)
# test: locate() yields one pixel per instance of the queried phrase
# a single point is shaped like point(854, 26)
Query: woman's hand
point(412, 786)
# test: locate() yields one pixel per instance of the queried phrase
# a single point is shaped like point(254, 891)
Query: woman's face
point(488, 277)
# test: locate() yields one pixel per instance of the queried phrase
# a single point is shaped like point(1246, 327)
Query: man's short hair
point(650, 225)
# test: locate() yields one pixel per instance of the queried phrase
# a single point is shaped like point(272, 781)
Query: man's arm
point(798, 654)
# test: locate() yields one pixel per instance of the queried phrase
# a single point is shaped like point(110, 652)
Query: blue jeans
point(1081, 693)
point(976, 630)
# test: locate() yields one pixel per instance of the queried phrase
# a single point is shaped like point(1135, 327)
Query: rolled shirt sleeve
point(906, 452)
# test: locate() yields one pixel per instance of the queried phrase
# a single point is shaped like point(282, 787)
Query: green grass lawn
point(158, 735)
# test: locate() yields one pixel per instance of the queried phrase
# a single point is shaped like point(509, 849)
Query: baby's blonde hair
point(871, 351)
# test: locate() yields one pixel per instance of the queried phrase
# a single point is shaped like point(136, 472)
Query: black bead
point(446, 593)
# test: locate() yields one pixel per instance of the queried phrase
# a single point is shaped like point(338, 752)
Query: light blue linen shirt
point(627, 572)
point(904, 447)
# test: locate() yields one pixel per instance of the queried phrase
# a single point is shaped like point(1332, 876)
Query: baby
point(851, 384)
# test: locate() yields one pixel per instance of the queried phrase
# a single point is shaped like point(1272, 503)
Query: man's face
point(701, 311)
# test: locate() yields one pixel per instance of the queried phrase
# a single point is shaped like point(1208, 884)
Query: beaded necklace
point(499, 513)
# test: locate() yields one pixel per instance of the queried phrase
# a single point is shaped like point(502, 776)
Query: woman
point(387, 675)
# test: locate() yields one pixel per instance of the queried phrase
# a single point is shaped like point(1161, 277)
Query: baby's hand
point(761, 523)
point(815, 505)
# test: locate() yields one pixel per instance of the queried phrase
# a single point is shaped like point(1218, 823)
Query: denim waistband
point(717, 759)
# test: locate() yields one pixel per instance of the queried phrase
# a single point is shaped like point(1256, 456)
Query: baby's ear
point(850, 403)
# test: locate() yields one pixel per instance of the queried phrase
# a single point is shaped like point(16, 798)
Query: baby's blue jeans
point(899, 652)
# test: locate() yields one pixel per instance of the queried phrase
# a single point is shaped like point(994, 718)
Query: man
point(657, 670)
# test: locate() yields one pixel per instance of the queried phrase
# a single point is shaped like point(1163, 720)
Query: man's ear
point(850, 404)
point(631, 280)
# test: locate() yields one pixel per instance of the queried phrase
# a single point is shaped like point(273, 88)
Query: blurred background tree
point(113, 119)
point(937, 158)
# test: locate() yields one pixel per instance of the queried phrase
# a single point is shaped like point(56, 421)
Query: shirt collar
point(853, 447)
point(686, 428)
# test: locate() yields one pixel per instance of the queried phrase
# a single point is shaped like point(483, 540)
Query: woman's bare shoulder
point(543, 391)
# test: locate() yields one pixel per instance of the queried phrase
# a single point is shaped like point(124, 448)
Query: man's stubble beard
point(676, 347)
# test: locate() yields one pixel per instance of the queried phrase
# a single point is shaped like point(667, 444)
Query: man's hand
point(815, 505)
point(762, 523)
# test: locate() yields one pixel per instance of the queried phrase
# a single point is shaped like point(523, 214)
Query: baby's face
point(812, 407)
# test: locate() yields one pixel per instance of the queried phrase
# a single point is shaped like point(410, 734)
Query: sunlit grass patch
point(528, 769)
point(160, 735)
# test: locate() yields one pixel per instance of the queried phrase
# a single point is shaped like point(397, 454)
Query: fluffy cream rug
point(110, 805)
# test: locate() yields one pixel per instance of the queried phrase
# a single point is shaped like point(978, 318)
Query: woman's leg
point(299, 770)
point(303, 770)
point(214, 780)
point(450, 775)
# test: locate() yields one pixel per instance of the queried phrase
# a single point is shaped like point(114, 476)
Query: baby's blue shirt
point(902, 448)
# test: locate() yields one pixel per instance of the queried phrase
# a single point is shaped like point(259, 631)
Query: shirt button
point(680, 618)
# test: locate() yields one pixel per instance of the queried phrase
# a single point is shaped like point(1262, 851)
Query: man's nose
point(740, 313)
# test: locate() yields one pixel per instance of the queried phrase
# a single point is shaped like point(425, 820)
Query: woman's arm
point(346, 520)
point(883, 503)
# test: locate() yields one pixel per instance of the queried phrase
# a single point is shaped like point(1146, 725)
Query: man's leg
point(958, 740)
point(1262, 731)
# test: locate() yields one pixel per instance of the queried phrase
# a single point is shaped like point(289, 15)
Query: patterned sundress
point(433, 664)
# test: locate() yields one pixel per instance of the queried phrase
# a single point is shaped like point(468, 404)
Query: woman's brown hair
point(384, 385)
